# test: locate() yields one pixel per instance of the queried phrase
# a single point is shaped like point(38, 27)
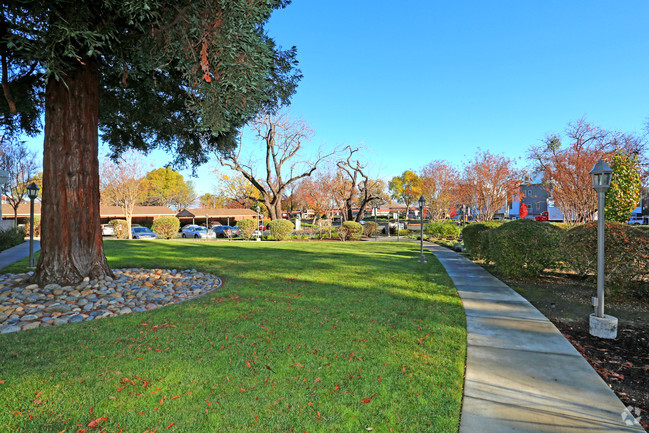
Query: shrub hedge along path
point(307, 336)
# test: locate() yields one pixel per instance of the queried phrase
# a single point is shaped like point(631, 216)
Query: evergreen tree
point(624, 193)
point(184, 76)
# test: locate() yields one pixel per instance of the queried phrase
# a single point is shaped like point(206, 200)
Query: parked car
point(222, 231)
point(196, 232)
point(107, 230)
point(543, 217)
point(142, 233)
point(636, 220)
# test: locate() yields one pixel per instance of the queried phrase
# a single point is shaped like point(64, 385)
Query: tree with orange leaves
point(488, 180)
point(566, 168)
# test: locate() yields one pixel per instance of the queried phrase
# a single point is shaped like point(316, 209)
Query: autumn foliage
point(522, 213)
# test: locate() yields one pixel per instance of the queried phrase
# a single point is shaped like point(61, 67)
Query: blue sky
point(415, 81)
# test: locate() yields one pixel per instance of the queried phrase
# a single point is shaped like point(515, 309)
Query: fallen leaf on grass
point(96, 422)
point(170, 425)
point(367, 400)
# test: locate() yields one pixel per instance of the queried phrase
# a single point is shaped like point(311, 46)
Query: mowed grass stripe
point(303, 336)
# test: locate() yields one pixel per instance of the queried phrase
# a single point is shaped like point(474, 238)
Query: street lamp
point(422, 202)
point(207, 221)
point(258, 224)
point(32, 193)
point(601, 325)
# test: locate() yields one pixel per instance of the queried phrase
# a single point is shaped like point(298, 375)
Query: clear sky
point(415, 81)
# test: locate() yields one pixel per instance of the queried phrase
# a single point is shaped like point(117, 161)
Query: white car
point(107, 230)
point(197, 232)
point(636, 220)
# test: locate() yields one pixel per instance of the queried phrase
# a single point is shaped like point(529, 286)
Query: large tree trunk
point(71, 240)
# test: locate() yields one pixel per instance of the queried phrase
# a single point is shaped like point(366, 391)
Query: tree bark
point(71, 240)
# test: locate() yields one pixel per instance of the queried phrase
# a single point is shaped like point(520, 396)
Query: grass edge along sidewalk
point(302, 337)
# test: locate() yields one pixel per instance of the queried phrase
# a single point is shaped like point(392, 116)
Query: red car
point(542, 217)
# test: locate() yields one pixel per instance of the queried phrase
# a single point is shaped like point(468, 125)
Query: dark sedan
point(226, 231)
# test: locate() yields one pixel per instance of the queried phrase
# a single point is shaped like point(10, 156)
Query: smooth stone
point(76, 318)
point(57, 308)
point(32, 325)
point(32, 287)
point(30, 317)
point(125, 310)
point(61, 321)
point(9, 329)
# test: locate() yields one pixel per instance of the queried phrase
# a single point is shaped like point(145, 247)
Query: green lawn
point(302, 337)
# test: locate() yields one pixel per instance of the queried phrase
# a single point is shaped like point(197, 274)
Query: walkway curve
point(522, 375)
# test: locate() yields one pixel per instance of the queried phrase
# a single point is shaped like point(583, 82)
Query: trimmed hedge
point(350, 230)
point(369, 229)
point(166, 227)
point(443, 229)
point(522, 248)
point(281, 229)
point(11, 237)
point(248, 227)
point(120, 227)
point(473, 239)
point(626, 260)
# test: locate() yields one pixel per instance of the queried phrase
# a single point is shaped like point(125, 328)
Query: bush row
point(11, 237)
point(524, 248)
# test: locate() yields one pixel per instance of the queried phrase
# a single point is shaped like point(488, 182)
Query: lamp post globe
point(32, 193)
point(601, 325)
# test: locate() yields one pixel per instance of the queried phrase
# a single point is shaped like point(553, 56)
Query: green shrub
point(350, 230)
point(120, 227)
point(522, 248)
point(626, 260)
point(11, 237)
point(248, 227)
point(473, 239)
point(281, 229)
point(404, 232)
point(369, 229)
point(166, 227)
point(443, 230)
point(37, 227)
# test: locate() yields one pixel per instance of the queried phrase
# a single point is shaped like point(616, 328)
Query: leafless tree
point(357, 188)
point(21, 165)
point(123, 184)
point(282, 139)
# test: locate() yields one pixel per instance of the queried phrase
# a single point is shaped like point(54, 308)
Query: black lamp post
point(422, 202)
point(32, 193)
point(601, 325)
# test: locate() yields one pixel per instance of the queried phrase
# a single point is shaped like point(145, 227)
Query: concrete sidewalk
point(522, 375)
point(19, 252)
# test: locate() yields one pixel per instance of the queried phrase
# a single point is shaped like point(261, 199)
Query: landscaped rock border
point(25, 306)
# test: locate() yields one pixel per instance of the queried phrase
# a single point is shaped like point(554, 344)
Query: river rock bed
point(25, 306)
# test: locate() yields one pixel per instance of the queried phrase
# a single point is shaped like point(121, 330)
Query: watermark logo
point(631, 416)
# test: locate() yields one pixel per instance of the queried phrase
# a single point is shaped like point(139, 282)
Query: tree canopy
point(184, 76)
point(166, 187)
